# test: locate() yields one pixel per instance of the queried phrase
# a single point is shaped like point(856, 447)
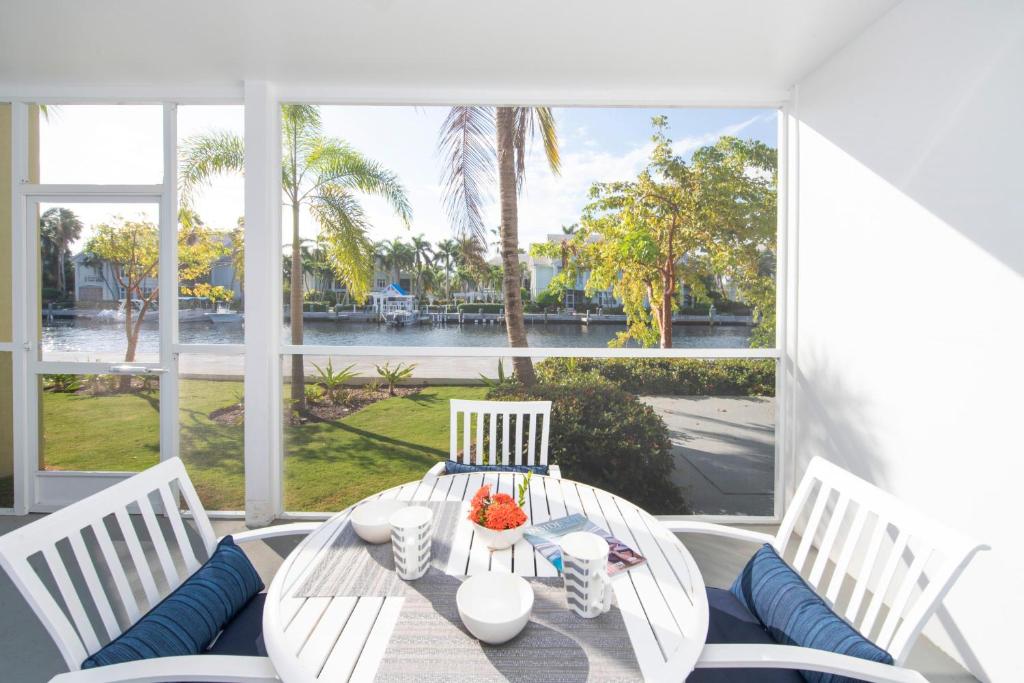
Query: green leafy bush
point(603, 436)
point(669, 376)
point(481, 308)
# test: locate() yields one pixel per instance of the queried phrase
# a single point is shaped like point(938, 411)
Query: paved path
point(724, 450)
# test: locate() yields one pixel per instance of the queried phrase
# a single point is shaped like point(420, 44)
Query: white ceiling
point(565, 50)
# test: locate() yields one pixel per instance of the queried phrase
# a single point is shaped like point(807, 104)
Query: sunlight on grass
point(328, 465)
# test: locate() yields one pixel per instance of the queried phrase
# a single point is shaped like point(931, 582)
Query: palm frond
point(203, 157)
point(344, 237)
point(526, 123)
point(334, 162)
point(469, 160)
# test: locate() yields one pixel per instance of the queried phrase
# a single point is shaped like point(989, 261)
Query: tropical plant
point(678, 223)
point(59, 229)
point(447, 252)
point(62, 383)
point(334, 381)
point(474, 142)
point(131, 249)
point(397, 256)
point(422, 256)
point(393, 375)
point(500, 381)
point(326, 176)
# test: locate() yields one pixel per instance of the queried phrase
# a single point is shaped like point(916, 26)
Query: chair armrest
point(211, 668)
point(684, 527)
point(739, 656)
point(436, 471)
point(554, 471)
point(296, 529)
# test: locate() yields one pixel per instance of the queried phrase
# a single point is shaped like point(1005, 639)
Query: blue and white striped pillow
point(793, 614)
point(187, 620)
point(455, 467)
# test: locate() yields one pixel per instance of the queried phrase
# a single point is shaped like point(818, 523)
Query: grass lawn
point(328, 465)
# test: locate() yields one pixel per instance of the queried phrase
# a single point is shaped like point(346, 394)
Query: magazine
point(544, 538)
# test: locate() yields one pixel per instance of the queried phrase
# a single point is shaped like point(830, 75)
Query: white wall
point(909, 326)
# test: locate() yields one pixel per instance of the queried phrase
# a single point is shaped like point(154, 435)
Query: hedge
point(603, 436)
point(669, 376)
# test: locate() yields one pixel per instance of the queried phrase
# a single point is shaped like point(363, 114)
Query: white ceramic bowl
point(499, 540)
point(370, 519)
point(495, 606)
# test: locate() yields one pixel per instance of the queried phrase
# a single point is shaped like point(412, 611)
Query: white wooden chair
point(878, 563)
point(513, 418)
point(57, 547)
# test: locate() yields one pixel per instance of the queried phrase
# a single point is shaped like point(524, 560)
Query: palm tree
point(447, 251)
point(422, 255)
point(473, 141)
point(60, 228)
point(398, 256)
point(323, 174)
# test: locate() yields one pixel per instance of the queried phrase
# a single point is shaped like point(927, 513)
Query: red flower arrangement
point(498, 512)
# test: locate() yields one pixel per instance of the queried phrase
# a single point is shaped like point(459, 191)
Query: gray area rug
point(429, 642)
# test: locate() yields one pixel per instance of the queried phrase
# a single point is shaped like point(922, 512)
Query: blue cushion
point(731, 622)
point(187, 620)
point(243, 635)
point(455, 467)
point(793, 614)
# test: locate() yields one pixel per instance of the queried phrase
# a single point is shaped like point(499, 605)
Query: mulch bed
point(358, 398)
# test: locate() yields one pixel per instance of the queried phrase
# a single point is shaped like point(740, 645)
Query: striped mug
point(411, 539)
point(588, 589)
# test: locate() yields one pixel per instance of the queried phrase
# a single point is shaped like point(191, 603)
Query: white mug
point(411, 539)
point(588, 589)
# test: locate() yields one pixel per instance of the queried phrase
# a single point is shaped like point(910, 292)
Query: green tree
point(474, 143)
point(447, 252)
point(59, 229)
point(326, 176)
point(422, 256)
point(678, 223)
point(131, 249)
point(396, 256)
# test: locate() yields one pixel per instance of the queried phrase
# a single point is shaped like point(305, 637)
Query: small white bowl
point(495, 606)
point(370, 519)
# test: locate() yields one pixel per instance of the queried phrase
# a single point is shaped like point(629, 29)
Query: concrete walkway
point(724, 451)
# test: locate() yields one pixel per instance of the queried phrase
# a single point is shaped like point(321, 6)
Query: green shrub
point(670, 376)
point(603, 436)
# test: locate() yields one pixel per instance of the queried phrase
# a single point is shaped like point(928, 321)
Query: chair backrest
point(880, 564)
point(512, 425)
point(74, 546)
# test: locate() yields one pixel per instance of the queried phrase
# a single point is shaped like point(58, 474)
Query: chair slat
point(467, 435)
point(195, 506)
point(156, 537)
point(532, 452)
point(493, 435)
point(131, 539)
point(519, 439)
point(850, 543)
point(902, 599)
point(178, 527)
point(453, 443)
point(480, 439)
point(505, 417)
point(92, 582)
point(811, 530)
point(793, 513)
point(71, 600)
point(132, 609)
point(829, 539)
point(867, 569)
point(545, 432)
point(61, 630)
point(882, 588)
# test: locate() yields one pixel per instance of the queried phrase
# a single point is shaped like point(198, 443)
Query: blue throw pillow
point(793, 614)
point(187, 620)
point(455, 467)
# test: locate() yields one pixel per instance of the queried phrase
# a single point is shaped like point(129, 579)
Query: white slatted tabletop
point(663, 602)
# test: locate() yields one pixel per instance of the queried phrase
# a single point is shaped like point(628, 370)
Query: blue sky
point(108, 144)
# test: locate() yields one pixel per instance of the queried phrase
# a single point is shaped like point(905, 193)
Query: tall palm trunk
point(298, 379)
point(515, 324)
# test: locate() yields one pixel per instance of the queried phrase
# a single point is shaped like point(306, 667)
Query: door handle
point(128, 369)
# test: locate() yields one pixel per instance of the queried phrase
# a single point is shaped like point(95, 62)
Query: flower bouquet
point(498, 519)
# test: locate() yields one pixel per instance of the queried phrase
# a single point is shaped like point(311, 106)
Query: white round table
point(663, 602)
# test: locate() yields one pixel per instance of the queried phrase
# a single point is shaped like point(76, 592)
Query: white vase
point(499, 540)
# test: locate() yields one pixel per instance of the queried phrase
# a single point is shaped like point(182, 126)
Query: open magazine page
point(544, 538)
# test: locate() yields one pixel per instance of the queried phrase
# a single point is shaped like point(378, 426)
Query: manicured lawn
point(328, 465)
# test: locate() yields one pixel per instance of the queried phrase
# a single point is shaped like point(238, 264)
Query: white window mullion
point(168, 283)
point(263, 461)
point(25, 394)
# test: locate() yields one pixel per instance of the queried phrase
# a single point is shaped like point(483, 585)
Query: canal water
point(95, 337)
